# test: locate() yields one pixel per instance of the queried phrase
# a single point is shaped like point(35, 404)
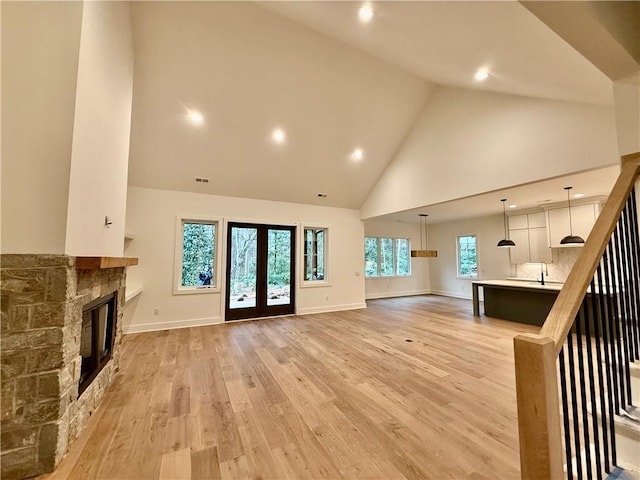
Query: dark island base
point(527, 306)
point(518, 305)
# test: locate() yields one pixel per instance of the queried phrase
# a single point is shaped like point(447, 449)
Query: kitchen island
point(524, 301)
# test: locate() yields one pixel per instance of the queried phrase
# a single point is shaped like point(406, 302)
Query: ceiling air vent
point(202, 180)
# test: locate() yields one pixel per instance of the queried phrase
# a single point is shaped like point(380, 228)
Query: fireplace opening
point(96, 340)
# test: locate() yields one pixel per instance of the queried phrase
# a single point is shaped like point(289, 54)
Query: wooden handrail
point(566, 306)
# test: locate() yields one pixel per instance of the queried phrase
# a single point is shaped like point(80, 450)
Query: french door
point(260, 270)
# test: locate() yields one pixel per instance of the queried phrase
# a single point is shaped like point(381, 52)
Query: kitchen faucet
point(543, 267)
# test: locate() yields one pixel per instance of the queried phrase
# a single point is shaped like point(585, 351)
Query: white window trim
point(464, 277)
point(178, 289)
point(314, 283)
point(395, 258)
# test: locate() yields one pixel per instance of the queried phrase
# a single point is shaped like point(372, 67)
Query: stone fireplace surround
point(40, 327)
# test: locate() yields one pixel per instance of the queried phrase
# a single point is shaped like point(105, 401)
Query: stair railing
point(584, 347)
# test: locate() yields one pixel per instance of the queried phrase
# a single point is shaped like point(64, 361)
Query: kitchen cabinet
point(529, 232)
point(520, 253)
point(583, 218)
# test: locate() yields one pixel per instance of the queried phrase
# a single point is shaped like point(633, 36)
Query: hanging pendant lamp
point(505, 242)
point(424, 234)
point(571, 239)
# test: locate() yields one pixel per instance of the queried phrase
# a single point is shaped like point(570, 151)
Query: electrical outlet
point(326, 297)
point(156, 311)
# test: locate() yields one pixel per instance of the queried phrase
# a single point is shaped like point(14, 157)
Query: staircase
point(578, 380)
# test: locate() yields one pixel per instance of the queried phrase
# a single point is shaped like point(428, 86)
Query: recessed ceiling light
point(578, 195)
point(357, 155)
point(365, 13)
point(481, 75)
point(513, 206)
point(278, 135)
point(195, 117)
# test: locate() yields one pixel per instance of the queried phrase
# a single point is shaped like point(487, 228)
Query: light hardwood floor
point(412, 388)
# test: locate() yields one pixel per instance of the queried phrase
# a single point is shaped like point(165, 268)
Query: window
point(467, 256)
point(315, 249)
point(196, 255)
point(370, 257)
point(386, 257)
point(403, 263)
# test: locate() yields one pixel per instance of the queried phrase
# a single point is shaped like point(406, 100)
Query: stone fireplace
point(44, 404)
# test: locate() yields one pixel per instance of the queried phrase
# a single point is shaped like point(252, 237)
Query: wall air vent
point(202, 180)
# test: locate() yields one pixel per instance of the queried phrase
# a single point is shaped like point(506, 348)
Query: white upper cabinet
point(529, 232)
point(538, 246)
point(582, 219)
point(519, 253)
point(537, 220)
point(517, 222)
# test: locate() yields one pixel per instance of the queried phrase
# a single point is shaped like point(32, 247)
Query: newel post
point(538, 408)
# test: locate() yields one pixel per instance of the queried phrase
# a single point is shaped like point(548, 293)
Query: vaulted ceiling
point(331, 83)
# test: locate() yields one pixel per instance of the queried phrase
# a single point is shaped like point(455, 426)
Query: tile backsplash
point(563, 260)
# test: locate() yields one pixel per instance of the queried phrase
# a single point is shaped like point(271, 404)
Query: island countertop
point(513, 283)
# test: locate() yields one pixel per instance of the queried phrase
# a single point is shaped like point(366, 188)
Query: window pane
point(314, 257)
point(320, 252)
point(278, 267)
point(244, 255)
point(386, 256)
point(370, 256)
point(198, 250)
point(467, 256)
point(403, 259)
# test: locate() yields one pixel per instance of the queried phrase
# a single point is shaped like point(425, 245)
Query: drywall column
point(40, 48)
point(626, 93)
point(100, 153)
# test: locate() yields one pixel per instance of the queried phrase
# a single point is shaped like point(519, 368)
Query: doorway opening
point(260, 270)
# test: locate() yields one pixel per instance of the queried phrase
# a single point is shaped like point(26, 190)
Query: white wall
point(493, 262)
point(40, 48)
point(100, 153)
point(468, 142)
point(151, 218)
point(418, 282)
point(627, 102)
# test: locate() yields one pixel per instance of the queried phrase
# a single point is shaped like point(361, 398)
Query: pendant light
point(424, 234)
point(571, 239)
point(505, 242)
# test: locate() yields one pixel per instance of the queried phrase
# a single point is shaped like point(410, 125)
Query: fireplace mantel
point(93, 263)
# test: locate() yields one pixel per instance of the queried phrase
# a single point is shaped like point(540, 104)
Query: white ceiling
point(330, 82)
point(447, 41)
point(249, 70)
point(593, 183)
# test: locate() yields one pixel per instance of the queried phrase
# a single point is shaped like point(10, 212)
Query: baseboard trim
point(445, 293)
point(331, 308)
point(203, 322)
point(375, 296)
point(154, 327)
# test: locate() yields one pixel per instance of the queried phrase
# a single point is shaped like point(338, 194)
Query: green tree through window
point(370, 256)
point(314, 254)
point(198, 254)
point(386, 257)
point(403, 259)
point(467, 256)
